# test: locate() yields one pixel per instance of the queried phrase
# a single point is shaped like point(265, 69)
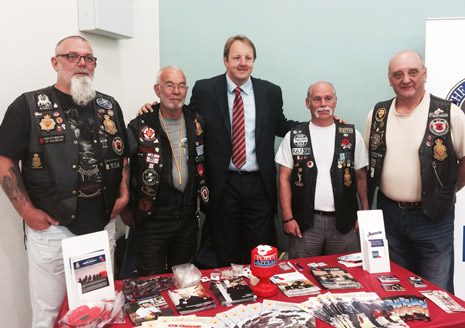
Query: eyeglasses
point(74, 58)
point(170, 87)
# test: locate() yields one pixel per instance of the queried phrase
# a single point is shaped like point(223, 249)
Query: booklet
point(230, 292)
point(335, 278)
point(146, 308)
point(191, 299)
point(294, 284)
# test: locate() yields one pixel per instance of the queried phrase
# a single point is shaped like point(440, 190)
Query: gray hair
point(309, 91)
point(160, 72)
point(76, 37)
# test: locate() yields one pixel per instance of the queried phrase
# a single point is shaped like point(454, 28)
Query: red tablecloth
point(370, 282)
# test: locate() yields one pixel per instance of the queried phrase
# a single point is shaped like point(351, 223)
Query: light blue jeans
point(419, 244)
point(47, 284)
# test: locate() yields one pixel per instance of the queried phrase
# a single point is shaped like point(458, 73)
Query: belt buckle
point(408, 206)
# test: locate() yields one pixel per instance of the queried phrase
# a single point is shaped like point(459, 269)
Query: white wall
point(126, 70)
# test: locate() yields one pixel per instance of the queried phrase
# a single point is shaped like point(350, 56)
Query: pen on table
point(299, 266)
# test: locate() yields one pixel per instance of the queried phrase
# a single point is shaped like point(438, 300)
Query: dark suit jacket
point(209, 98)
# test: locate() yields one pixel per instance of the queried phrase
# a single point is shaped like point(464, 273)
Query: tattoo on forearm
point(14, 188)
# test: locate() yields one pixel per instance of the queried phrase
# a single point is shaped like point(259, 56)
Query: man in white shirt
point(416, 149)
point(322, 169)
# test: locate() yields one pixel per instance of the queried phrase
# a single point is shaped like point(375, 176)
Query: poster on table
point(445, 62)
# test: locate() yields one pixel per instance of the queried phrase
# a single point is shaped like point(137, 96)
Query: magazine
point(335, 278)
point(191, 299)
point(146, 308)
point(294, 284)
point(408, 307)
point(230, 292)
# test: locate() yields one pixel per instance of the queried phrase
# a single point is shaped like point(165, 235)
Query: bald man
point(322, 168)
point(416, 148)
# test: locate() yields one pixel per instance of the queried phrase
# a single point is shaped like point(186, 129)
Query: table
point(370, 282)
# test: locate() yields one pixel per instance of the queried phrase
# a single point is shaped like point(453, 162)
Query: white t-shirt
point(323, 139)
point(400, 178)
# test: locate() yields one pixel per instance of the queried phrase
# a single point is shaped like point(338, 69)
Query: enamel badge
point(148, 134)
point(36, 162)
point(300, 140)
point(118, 145)
point(205, 194)
point(47, 123)
point(109, 125)
point(104, 103)
point(150, 177)
point(439, 126)
point(299, 182)
point(440, 150)
point(347, 178)
point(198, 128)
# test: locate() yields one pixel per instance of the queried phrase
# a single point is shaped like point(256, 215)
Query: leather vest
point(50, 172)
point(151, 163)
point(305, 171)
point(438, 162)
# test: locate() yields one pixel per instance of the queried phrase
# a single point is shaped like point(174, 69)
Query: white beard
point(82, 90)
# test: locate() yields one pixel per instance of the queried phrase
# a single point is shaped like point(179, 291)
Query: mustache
point(82, 70)
point(323, 108)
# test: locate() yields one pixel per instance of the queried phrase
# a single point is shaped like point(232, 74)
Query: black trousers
point(243, 219)
point(165, 240)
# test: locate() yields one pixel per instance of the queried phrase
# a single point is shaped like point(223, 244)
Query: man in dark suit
point(243, 193)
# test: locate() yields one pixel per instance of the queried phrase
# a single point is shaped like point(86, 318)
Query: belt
point(405, 205)
point(243, 172)
point(323, 213)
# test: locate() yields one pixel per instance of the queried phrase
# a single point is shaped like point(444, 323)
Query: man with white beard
point(322, 169)
point(73, 176)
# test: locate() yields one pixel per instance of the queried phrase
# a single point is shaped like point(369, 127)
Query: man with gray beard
point(322, 169)
point(73, 177)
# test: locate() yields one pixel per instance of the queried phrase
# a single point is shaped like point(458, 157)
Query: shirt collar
point(246, 87)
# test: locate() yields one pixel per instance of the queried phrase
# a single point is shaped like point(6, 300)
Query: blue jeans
point(419, 244)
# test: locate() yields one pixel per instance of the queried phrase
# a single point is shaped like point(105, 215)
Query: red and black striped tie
point(238, 131)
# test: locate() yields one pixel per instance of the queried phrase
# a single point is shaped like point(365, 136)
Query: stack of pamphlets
point(147, 307)
point(262, 315)
point(234, 291)
point(335, 278)
point(294, 284)
point(191, 299)
point(352, 309)
point(351, 260)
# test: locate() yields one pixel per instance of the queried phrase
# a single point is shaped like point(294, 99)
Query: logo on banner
point(457, 94)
